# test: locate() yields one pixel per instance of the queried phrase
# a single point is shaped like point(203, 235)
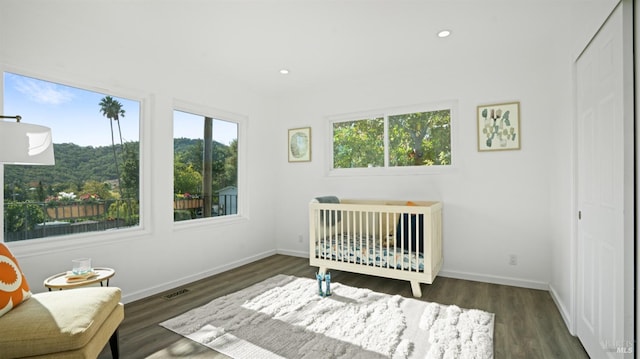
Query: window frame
point(71, 241)
point(387, 170)
point(242, 123)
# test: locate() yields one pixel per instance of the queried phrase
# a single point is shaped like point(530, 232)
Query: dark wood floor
point(528, 324)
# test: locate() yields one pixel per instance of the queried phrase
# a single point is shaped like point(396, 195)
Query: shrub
point(22, 216)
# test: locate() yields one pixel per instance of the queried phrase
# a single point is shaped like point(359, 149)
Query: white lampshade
point(25, 144)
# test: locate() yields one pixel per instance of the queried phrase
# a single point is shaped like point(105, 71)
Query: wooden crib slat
point(377, 227)
point(401, 242)
point(378, 243)
point(359, 244)
point(367, 252)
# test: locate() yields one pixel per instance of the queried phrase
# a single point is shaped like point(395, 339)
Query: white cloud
point(43, 92)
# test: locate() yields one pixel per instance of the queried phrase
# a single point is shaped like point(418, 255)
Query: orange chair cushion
point(14, 288)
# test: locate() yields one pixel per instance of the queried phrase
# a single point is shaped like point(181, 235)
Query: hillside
point(76, 165)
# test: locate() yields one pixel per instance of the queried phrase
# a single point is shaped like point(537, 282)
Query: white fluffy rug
point(284, 317)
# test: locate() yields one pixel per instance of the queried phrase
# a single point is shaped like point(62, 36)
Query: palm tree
point(207, 160)
point(112, 109)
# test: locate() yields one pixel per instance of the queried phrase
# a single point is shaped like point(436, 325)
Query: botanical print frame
point(499, 127)
point(300, 144)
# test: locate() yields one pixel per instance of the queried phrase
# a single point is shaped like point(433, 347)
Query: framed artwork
point(499, 127)
point(300, 144)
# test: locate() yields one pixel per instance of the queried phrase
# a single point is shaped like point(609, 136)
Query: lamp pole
point(16, 117)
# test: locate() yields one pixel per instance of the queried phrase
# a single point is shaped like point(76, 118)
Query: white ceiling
point(321, 42)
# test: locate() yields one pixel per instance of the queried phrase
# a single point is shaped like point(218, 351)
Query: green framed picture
point(300, 144)
point(499, 127)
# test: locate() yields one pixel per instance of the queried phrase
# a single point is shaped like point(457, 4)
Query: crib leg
point(415, 288)
point(322, 270)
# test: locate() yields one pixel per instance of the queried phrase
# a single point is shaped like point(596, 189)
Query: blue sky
point(74, 114)
point(192, 126)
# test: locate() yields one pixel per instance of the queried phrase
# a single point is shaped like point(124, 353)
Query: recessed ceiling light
point(284, 71)
point(444, 33)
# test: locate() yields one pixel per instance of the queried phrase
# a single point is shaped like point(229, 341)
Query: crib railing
point(385, 234)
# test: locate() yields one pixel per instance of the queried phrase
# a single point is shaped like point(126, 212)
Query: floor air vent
point(176, 293)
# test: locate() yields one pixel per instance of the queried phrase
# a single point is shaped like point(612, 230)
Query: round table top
point(60, 281)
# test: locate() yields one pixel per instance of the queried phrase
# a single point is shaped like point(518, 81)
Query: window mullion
point(386, 141)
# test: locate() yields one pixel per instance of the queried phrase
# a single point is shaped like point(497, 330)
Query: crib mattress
point(367, 251)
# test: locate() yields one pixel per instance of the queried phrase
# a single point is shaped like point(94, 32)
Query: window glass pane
point(358, 144)
point(204, 186)
point(94, 184)
point(420, 139)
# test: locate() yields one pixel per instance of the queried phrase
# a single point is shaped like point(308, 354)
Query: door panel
point(600, 322)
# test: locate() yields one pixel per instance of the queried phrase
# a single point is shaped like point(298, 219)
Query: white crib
point(393, 239)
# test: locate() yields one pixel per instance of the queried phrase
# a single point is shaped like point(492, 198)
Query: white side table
point(59, 281)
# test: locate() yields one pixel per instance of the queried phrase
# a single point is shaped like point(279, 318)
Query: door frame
point(630, 179)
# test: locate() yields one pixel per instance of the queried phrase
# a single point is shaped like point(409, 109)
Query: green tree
point(231, 165)
point(41, 192)
point(419, 139)
point(358, 143)
point(19, 216)
point(112, 109)
point(186, 179)
point(207, 160)
point(15, 190)
point(190, 152)
point(188, 160)
point(131, 171)
point(415, 139)
point(127, 210)
point(100, 188)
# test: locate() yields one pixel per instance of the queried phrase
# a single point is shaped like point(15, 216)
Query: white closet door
point(601, 191)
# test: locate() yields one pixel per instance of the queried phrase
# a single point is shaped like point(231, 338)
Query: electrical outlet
point(300, 238)
point(513, 260)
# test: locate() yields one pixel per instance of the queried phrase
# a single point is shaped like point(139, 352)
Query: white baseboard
point(288, 252)
point(146, 292)
point(516, 282)
point(566, 316)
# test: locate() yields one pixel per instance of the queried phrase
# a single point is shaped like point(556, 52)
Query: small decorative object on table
point(324, 290)
point(73, 277)
point(81, 266)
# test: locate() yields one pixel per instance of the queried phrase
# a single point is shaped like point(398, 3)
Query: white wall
point(584, 20)
point(79, 43)
point(496, 203)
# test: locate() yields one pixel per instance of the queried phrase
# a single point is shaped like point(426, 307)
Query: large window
point(392, 139)
point(94, 184)
point(205, 166)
